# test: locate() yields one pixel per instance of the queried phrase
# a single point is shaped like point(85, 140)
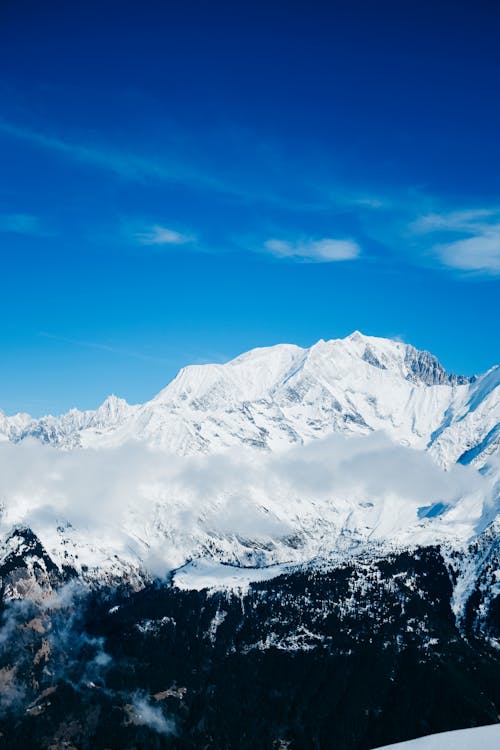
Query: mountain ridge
point(274, 397)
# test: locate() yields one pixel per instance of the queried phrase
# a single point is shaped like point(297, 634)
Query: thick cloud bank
point(244, 507)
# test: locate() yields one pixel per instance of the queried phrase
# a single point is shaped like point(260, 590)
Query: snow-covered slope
point(276, 397)
point(480, 738)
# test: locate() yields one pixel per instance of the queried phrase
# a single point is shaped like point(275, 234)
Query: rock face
point(424, 367)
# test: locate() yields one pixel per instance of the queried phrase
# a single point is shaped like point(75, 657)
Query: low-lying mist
point(163, 509)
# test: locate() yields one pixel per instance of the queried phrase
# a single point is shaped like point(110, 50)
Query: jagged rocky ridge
point(371, 626)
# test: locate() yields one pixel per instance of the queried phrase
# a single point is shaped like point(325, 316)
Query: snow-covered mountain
point(280, 396)
point(285, 531)
point(283, 456)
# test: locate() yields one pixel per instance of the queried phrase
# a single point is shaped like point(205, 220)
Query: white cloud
point(426, 232)
point(151, 716)
point(326, 250)
point(159, 235)
point(468, 240)
point(135, 502)
point(480, 253)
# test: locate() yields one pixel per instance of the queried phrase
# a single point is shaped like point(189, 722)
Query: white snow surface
point(282, 456)
point(478, 738)
point(209, 574)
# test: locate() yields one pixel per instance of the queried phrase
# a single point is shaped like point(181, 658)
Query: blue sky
point(182, 181)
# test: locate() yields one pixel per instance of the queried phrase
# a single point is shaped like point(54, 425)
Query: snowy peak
point(275, 397)
point(413, 364)
point(113, 411)
point(259, 372)
point(248, 377)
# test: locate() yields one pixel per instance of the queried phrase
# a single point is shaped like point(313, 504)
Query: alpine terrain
point(296, 549)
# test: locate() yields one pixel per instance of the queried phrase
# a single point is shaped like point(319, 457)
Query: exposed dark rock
point(347, 659)
point(424, 367)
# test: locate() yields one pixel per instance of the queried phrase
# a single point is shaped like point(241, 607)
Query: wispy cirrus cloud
point(426, 230)
point(480, 253)
point(220, 178)
point(160, 235)
point(409, 225)
point(466, 240)
point(326, 250)
point(122, 164)
point(165, 168)
point(115, 350)
point(20, 223)
point(467, 220)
